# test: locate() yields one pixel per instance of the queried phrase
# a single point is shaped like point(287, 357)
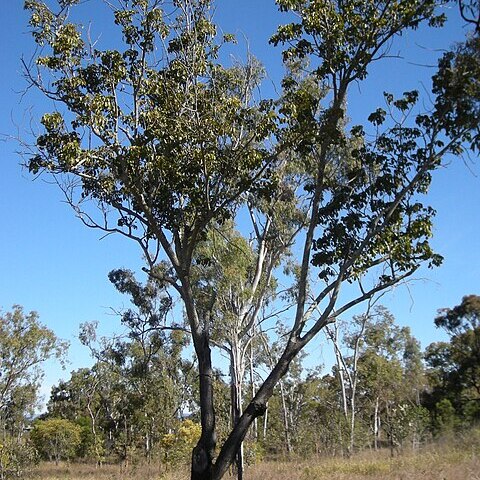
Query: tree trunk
point(254, 409)
point(375, 425)
point(202, 455)
point(352, 424)
point(265, 423)
point(286, 426)
point(236, 379)
point(252, 385)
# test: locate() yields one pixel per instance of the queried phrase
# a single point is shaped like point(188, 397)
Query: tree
point(455, 365)
point(166, 142)
point(379, 367)
point(24, 345)
point(347, 368)
point(178, 445)
point(234, 277)
point(139, 385)
point(470, 12)
point(79, 400)
point(56, 438)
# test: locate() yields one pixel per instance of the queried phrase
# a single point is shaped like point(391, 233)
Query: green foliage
point(189, 132)
point(338, 33)
point(89, 447)
point(177, 447)
point(454, 366)
point(24, 344)
point(370, 199)
point(461, 318)
point(445, 417)
point(138, 384)
point(17, 456)
point(457, 106)
point(254, 452)
point(56, 439)
point(171, 145)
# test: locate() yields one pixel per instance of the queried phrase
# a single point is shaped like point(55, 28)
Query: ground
point(442, 461)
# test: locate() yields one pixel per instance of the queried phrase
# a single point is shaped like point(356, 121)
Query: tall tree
point(347, 367)
point(381, 364)
point(164, 140)
point(455, 365)
point(25, 344)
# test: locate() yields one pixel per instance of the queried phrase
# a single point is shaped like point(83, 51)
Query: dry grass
point(425, 466)
point(442, 462)
point(83, 471)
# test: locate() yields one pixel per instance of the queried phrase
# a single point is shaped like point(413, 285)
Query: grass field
point(446, 461)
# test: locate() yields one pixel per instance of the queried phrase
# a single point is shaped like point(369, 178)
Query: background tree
point(381, 378)
point(347, 368)
point(24, 345)
point(139, 382)
point(235, 282)
point(455, 365)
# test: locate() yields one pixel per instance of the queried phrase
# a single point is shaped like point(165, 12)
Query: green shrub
point(56, 439)
point(16, 457)
point(177, 447)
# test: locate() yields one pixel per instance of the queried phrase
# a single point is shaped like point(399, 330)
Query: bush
point(16, 457)
point(56, 439)
point(178, 446)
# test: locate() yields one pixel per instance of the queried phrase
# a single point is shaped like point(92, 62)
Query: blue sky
point(51, 263)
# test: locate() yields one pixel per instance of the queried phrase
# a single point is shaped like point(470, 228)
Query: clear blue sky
point(51, 263)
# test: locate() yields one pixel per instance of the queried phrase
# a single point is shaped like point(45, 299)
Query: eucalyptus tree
point(139, 384)
point(389, 377)
point(162, 140)
point(347, 366)
point(25, 344)
point(165, 142)
point(81, 399)
point(150, 359)
point(454, 366)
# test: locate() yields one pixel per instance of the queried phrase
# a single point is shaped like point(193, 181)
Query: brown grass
point(425, 466)
point(442, 462)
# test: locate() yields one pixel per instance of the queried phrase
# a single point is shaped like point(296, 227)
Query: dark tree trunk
point(255, 409)
point(236, 375)
point(202, 455)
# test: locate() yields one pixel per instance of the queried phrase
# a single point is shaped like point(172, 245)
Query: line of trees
point(160, 141)
point(139, 401)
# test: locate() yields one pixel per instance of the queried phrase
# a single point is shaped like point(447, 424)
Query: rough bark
point(236, 374)
point(202, 455)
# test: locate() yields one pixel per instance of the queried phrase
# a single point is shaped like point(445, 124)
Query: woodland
point(263, 223)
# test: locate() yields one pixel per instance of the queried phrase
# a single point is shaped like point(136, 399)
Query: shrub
point(16, 457)
point(56, 439)
point(178, 446)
